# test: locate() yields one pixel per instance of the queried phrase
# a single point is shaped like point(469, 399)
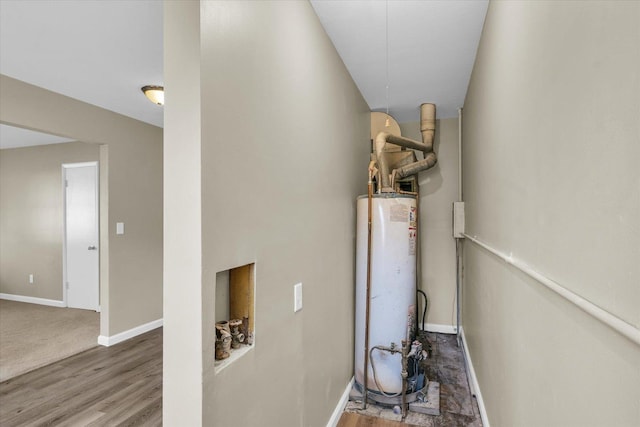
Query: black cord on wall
point(424, 312)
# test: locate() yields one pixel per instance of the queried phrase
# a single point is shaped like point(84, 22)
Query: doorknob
point(92, 248)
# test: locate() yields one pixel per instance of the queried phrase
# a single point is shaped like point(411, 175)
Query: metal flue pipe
point(428, 123)
point(427, 128)
point(427, 163)
point(384, 137)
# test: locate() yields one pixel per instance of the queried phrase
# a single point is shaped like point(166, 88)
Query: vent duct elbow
point(421, 165)
point(389, 173)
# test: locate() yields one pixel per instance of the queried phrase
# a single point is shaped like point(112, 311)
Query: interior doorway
point(81, 271)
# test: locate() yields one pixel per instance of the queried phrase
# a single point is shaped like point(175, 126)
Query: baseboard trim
point(33, 300)
point(337, 412)
point(133, 332)
point(441, 329)
point(473, 380)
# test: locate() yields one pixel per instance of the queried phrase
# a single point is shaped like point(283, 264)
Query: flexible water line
point(373, 369)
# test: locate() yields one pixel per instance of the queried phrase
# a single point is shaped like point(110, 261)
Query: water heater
point(392, 308)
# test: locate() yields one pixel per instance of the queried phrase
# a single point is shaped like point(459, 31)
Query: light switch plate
point(297, 297)
point(119, 227)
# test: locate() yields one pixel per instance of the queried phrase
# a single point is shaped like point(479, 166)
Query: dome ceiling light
point(154, 93)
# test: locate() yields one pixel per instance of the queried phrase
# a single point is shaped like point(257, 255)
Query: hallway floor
point(458, 407)
point(33, 335)
point(104, 386)
point(122, 385)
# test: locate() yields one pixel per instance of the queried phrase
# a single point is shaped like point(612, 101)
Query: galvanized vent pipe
point(427, 128)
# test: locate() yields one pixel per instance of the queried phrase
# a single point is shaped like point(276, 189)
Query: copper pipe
point(368, 297)
point(418, 257)
point(406, 344)
point(405, 374)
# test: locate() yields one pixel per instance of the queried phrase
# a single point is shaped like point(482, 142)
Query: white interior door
point(82, 236)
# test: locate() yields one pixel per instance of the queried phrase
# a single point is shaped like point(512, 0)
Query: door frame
point(66, 166)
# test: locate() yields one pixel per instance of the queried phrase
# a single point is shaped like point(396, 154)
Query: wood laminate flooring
point(104, 386)
point(351, 419)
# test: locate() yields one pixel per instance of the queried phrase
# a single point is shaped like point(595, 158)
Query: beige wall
point(182, 355)
point(131, 192)
point(438, 191)
point(284, 153)
point(551, 146)
point(31, 216)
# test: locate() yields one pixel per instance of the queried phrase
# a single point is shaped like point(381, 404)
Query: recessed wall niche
point(234, 314)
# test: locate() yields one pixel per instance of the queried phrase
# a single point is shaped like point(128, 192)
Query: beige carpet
point(34, 335)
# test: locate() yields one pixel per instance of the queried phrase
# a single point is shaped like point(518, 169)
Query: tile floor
point(458, 407)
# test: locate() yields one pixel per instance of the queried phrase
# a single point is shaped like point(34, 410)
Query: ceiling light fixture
point(154, 93)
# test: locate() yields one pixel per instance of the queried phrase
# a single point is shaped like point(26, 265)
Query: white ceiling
point(432, 48)
point(102, 52)
point(13, 137)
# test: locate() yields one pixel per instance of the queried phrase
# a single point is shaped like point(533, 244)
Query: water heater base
point(429, 402)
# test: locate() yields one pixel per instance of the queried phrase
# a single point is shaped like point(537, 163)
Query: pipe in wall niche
point(427, 128)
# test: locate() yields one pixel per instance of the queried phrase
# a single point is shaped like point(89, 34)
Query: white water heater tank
point(393, 286)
